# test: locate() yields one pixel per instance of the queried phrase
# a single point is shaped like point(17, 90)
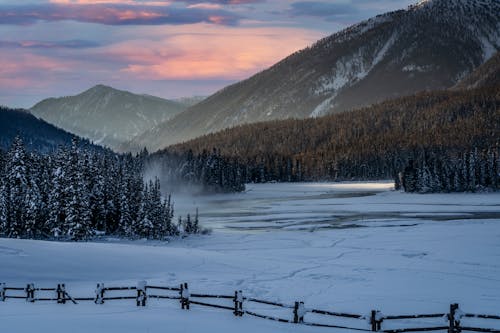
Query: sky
point(166, 48)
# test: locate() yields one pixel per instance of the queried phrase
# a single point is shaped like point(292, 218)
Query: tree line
point(376, 142)
point(206, 171)
point(75, 193)
point(469, 171)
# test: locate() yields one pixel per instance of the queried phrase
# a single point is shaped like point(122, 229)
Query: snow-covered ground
point(340, 247)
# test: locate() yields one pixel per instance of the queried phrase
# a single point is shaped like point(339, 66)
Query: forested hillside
point(37, 134)
point(370, 143)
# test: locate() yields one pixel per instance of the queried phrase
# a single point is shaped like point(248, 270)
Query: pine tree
point(169, 229)
point(195, 225)
point(144, 225)
point(3, 208)
point(58, 197)
point(95, 184)
point(17, 183)
point(188, 225)
point(77, 224)
point(156, 209)
point(32, 211)
point(126, 225)
point(472, 170)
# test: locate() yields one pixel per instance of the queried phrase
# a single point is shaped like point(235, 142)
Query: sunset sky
point(168, 48)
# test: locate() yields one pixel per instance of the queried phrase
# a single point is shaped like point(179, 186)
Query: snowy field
point(340, 247)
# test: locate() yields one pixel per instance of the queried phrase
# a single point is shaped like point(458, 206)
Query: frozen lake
point(313, 206)
point(348, 247)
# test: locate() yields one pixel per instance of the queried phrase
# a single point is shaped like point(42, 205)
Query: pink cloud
point(220, 52)
point(22, 70)
point(205, 5)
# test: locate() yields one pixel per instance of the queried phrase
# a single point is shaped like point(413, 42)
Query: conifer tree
point(17, 185)
point(32, 212)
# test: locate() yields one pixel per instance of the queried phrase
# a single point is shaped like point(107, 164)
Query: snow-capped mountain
point(431, 45)
point(105, 115)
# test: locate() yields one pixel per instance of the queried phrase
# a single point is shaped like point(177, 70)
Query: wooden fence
point(373, 322)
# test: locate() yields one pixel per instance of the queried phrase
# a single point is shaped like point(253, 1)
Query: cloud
point(114, 14)
point(223, 2)
point(35, 44)
point(218, 53)
point(157, 2)
point(322, 9)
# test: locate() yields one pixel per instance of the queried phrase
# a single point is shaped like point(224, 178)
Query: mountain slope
point(36, 134)
point(370, 141)
point(105, 115)
point(486, 75)
point(190, 101)
point(429, 46)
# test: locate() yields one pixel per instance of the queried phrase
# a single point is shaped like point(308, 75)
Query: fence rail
point(182, 294)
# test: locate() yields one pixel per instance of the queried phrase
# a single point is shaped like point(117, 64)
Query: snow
point(380, 249)
point(416, 68)
point(322, 107)
point(489, 48)
point(349, 70)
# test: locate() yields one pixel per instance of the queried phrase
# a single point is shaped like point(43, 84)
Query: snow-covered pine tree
point(156, 210)
point(77, 224)
point(97, 198)
point(169, 229)
point(44, 184)
point(424, 179)
point(435, 177)
point(473, 161)
point(126, 222)
point(188, 225)
point(196, 224)
point(110, 195)
point(3, 207)
point(491, 169)
point(17, 186)
point(58, 197)
point(144, 225)
point(32, 212)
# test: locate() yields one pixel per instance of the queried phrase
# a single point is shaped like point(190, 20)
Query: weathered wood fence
point(235, 303)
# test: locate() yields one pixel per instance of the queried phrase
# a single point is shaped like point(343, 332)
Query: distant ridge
point(106, 115)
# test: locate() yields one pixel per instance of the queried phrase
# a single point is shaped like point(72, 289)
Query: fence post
point(2, 292)
point(30, 292)
point(141, 293)
point(375, 321)
point(184, 296)
point(238, 303)
point(298, 312)
point(61, 293)
point(99, 294)
point(453, 319)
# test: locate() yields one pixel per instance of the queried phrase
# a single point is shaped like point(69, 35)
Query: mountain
point(105, 115)
point(429, 46)
point(37, 134)
point(486, 75)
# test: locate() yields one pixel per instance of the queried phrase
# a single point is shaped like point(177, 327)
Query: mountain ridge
point(106, 115)
point(429, 46)
point(36, 134)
